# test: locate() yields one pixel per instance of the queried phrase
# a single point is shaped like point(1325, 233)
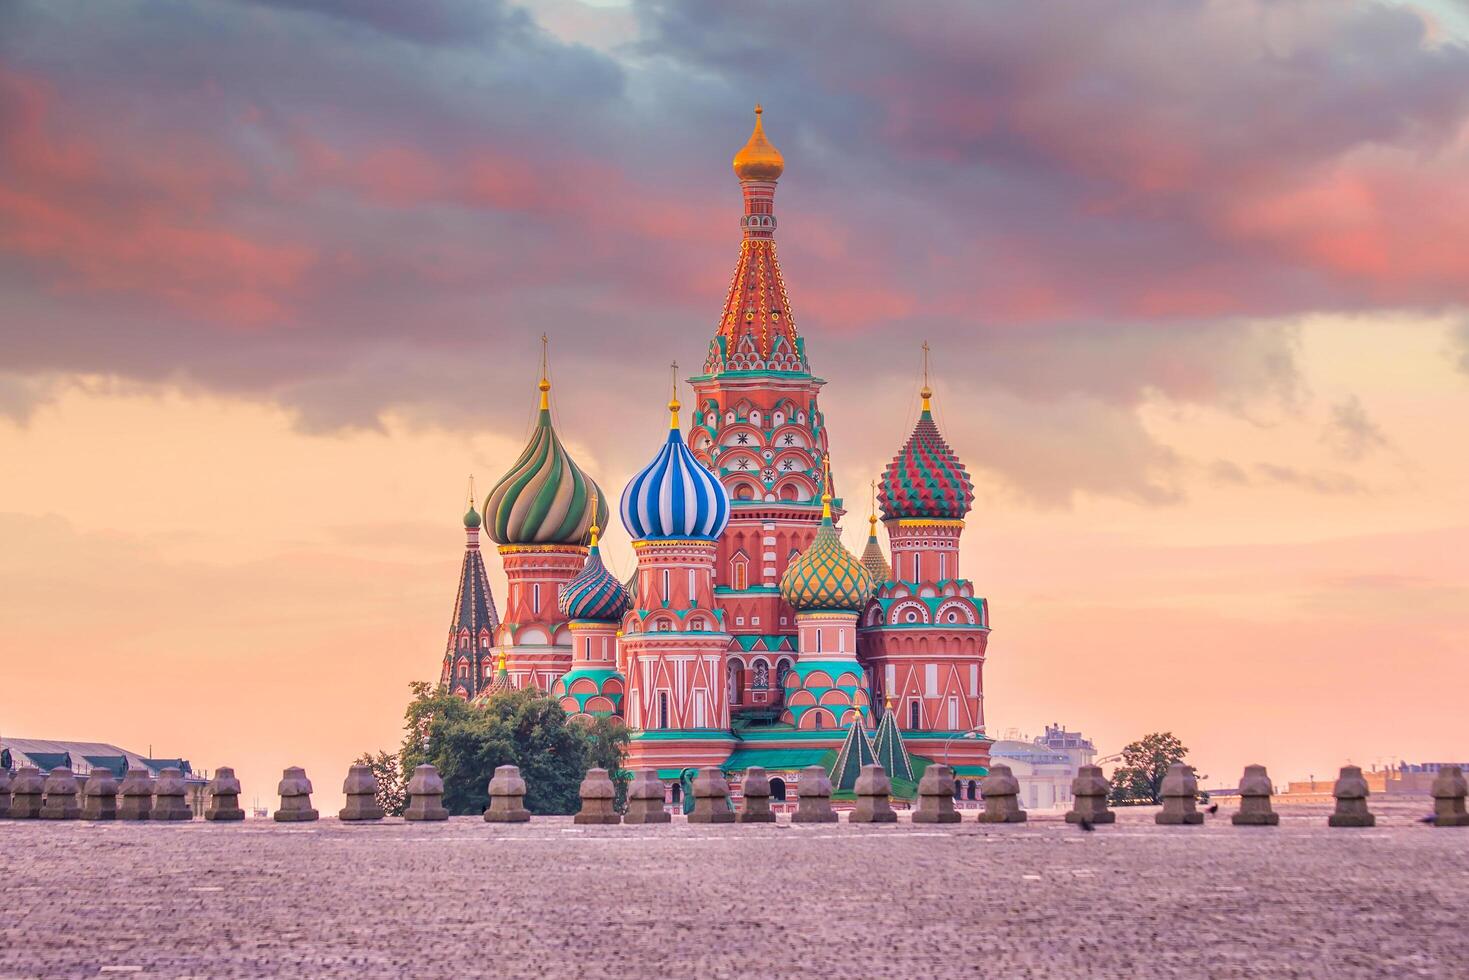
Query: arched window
point(739, 574)
point(735, 681)
point(535, 597)
point(972, 789)
point(762, 675)
point(778, 789)
point(915, 714)
point(666, 596)
point(781, 670)
point(662, 709)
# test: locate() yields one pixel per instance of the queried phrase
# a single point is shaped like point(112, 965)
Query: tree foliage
point(1139, 779)
point(466, 742)
point(392, 788)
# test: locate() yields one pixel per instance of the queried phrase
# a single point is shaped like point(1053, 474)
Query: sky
point(273, 276)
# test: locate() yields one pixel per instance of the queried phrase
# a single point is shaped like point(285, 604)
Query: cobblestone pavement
point(548, 899)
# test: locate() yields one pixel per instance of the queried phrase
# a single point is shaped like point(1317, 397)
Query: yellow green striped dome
point(545, 498)
point(827, 576)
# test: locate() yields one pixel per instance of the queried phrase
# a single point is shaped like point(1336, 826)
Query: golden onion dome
point(759, 159)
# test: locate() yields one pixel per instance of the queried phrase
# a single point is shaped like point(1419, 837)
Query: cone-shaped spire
point(856, 752)
point(873, 559)
point(892, 754)
point(926, 479)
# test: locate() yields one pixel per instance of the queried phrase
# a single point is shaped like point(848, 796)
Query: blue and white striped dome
point(675, 496)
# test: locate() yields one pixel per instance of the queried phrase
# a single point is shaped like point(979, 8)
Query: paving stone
point(873, 791)
point(549, 900)
point(507, 797)
point(936, 796)
point(1001, 792)
point(61, 795)
point(597, 793)
point(295, 792)
point(1255, 789)
point(1351, 800)
point(425, 795)
point(360, 787)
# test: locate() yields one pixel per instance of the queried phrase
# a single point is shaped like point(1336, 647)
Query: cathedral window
point(666, 596)
point(739, 574)
point(915, 714)
point(662, 709)
point(781, 670)
point(818, 639)
point(762, 674)
point(535, 597)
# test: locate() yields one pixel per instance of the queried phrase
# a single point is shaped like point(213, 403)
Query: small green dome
point(827, 576)
point(471, 517)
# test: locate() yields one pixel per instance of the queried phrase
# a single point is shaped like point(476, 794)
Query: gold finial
point(926, 392)
point(758, 159)
point(471, 491)
point(594, 529)
point(673, 405)
point(502, 660)
point(887, 700)
point(872, 513)
point(826, 487)
point(545, 384)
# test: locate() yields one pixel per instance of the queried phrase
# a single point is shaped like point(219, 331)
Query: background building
point(1045, 765)
point(82, 757)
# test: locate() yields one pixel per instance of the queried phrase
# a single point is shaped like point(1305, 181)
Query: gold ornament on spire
point(545, 384)
point(826, 487)
point(594, 530)
point(925, 392)
point(872, 512)
point(759, 159)
point(673, 405)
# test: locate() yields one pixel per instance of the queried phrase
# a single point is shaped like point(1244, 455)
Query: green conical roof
point(892, 754)
point(856, 752)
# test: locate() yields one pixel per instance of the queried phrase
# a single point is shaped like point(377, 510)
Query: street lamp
point(975, 732)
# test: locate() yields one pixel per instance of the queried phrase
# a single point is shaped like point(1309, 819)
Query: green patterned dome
point(827, 576)
point(471, 517)
point(545, 498)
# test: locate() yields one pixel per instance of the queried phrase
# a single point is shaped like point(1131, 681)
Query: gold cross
point(925, 364)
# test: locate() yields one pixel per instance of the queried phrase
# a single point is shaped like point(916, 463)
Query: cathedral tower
point(674, 642)
point(925, 631)
point(468, 664)
point(756, 425)
point(540, 514)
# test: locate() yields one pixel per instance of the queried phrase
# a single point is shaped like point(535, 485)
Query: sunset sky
point(1196, 276)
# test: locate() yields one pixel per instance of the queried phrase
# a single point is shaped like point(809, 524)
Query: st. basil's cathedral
point(748, 634)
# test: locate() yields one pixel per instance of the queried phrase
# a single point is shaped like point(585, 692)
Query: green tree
point(392, 788)
point(466, 742)
point(1138, 781)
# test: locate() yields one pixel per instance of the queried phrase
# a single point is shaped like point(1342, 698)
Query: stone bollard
point(507, 797)
point(224, 797)
point(137, 795)
point(1001, 792)
point(26, 791)
point(61, 795)
point(1351, 800)
point(711, 798)
point(295, 790)
point(813, 799)
point(361, 789)
point(1449, 790)
point(1089, 792)
point(4, 793)
point(596, 800)
point(872, 789)
point(169, 792)
point(936, 796)
point(425, 795)
point(1254, 800)
point(99, 796)
point(645, 799)
point(756, 791)
point(1180, 796)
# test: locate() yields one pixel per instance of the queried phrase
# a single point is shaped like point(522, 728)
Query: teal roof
point(766, 642)
point(892, 754)
point(597, 675)
point(779, 760)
